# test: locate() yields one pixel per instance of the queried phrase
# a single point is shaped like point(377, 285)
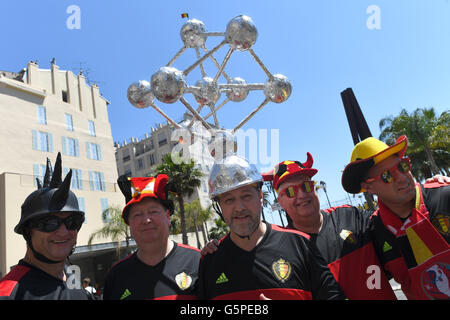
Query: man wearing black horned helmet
point(50, 221)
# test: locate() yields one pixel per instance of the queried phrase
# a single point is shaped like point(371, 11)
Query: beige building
point(139, 157)
point(42, 112)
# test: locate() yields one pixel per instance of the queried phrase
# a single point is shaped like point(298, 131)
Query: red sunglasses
point(387, 176)
point(291, 191)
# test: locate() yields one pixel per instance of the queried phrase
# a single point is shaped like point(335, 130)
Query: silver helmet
point(230, 173)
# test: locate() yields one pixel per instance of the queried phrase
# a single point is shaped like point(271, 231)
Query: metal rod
point(191, 89)
point(260, 63)
point(213, 34)
point(216, 121)
point(216, 63)
point(201, 64)
point(200, 107)
point(249, 86)
point(250, 115)
point(220, 106)
point(188, 70)
point(225, 61)
point(195, 113)
point(165, 116)
point(176, 56)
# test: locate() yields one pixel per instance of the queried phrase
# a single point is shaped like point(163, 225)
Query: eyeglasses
point(53, 222)
point(307, 187)
point(387, 176)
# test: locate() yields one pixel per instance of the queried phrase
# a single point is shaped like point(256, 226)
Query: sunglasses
point(52, 223)
point(387, 176)
point(307, 187)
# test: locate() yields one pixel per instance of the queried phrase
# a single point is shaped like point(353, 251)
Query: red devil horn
point(268, 176)
point(309, 161)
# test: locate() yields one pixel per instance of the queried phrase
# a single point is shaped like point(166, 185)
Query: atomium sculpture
point(168, 85)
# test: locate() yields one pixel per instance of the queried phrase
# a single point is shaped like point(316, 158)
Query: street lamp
point(324, 186)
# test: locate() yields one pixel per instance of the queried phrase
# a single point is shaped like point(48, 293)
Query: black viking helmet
point(52, 196)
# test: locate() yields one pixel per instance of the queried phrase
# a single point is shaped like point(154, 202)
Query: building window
point(64, 96)
point(149, 145)
point(106, 215)
point(69, 122)
point(97, 181)
point(70, 146)
point(82, 207)
point(42, 115)
point(42, 141)
point(151, 159)
point(162, 140)
point(91, 128)
point(125, 155)
point(38, 172)
point(77, 182)
point(139, 149)
point(93, 151)
point(140, 164)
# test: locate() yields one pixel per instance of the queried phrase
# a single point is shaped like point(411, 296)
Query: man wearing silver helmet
point(258, 260)
point(50, 221)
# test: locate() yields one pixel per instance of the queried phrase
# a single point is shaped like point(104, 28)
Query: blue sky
point(323, 47)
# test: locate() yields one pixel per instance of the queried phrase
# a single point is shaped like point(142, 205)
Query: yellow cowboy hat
point(365, 155)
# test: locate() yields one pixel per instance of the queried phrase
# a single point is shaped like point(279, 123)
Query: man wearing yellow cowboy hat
point(411, 227)
point(161, 269)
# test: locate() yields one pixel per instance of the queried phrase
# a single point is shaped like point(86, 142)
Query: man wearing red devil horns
point(161, 268)
point(341, 233)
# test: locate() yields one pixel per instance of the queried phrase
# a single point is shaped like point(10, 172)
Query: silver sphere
point(208, 93)
point(240, 93)
point(241, 33)
point(278, 89)
point(139, 94)
point(192, 33)
point(168, 84)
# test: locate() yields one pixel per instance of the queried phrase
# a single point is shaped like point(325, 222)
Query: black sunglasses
point(53, 222)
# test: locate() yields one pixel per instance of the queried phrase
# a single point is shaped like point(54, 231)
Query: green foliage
point(428, 139)
point(184, 178)
point(220, 230)
point(114, 228)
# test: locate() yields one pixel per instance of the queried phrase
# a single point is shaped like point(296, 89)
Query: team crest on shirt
point(435, 281)
point(442, 224)
point(183, 280)
point(282, 269)
point(347, 235)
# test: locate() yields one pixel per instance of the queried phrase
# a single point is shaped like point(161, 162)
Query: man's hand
point(438, 178)
point(263, 297)
point(210, 247)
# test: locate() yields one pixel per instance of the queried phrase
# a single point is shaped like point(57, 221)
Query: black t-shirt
point(26, 282)
point(173, 278)
point(284, 265)
point(345, 242)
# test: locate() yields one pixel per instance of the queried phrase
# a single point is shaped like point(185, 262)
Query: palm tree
point(429, 139)
point(114, 228)
point(220, 230)
point(184, 178)
point(266, 203)
point(196, 216)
